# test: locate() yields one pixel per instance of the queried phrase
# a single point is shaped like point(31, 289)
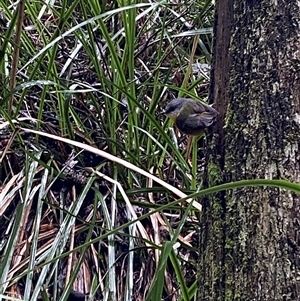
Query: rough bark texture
point(250, 241)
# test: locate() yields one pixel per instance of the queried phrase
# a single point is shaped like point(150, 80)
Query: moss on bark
point(249, 240)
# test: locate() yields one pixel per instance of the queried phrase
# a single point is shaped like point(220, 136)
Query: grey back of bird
point(194, 116)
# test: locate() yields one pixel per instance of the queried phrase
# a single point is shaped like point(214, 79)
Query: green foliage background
point(99, 73)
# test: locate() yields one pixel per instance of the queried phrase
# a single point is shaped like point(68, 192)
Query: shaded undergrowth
point(99, 74)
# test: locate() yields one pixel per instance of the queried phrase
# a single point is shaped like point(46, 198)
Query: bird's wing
point(202, 107)
point(203, 116)
point(204, 119)
point(206, 113)
point(197, 121)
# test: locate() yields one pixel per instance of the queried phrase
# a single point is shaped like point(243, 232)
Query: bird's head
point(174, 107)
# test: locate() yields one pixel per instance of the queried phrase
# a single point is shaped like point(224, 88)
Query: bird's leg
point(188, 148)
point(193, 145)
point(194, 162)
point(171, 166)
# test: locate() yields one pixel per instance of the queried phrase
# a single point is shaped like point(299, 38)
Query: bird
point(191, 117)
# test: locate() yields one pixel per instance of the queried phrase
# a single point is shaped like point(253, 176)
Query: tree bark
point(250, 239)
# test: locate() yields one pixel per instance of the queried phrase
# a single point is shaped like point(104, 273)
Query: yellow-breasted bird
point(191, 117)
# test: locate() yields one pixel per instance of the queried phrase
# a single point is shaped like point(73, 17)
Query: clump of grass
point(97, 75)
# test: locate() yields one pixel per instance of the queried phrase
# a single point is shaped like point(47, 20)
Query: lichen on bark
point(249, 239)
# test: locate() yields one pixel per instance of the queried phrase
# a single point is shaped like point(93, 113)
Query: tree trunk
point(250, 240)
